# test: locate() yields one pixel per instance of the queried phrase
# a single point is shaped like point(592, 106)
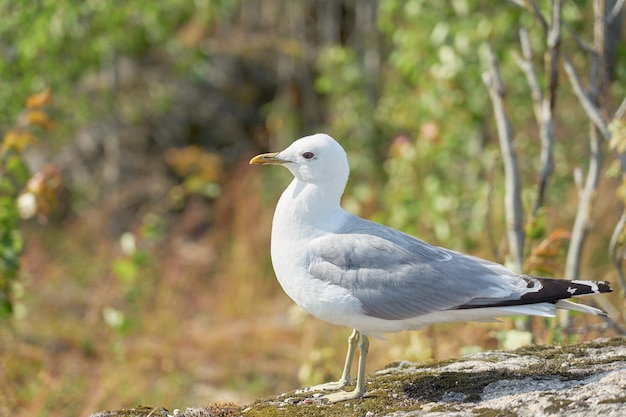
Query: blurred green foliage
point(10, 248)
point(23, 194)
point(57, 43)
point(200, 172)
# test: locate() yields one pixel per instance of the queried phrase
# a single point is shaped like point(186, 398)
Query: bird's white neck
point(308, 206)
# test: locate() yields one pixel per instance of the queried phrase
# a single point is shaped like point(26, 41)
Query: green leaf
point(126, 269)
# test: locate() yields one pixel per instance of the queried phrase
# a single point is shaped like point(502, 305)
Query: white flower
point(27, 205)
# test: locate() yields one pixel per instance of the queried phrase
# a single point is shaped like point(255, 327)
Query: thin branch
point(543, 106)
point(552, 57)
point(621, 156)
point(621, 110)
point(617, 256)
point(615, 11)
point(532, 7)
point(546, 120)
point(585, 101)
point(491, 179)
point(512, 199)
point(546, 124)
point(579, 41)
point(581, 223)
point(520, 3)
point(542, 20)
point(597, 73)
point(526, 65)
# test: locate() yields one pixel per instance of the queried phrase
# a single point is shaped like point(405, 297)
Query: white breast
point(291, 257)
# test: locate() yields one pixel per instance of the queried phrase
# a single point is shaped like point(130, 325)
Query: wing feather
point(396, 276)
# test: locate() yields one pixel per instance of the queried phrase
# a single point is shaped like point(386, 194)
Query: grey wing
point(396, 276)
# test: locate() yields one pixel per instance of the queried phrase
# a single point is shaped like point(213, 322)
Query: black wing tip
point(594, 287)
point(574, 287)
point(550, 290)
point(603, 286)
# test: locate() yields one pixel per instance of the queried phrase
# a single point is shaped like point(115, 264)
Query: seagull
point(349, 271)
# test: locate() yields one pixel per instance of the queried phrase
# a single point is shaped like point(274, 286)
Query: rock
point(577, 380)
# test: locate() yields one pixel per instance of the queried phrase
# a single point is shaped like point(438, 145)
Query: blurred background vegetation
point(134, 240)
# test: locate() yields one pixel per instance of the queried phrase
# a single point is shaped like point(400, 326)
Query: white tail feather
point(568, 305)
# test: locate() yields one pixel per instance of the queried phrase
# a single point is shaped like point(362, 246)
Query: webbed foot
point(329, 386)
point(344, 395)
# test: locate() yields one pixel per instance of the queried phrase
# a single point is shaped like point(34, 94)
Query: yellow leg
point(359, 390)
point(345, 375)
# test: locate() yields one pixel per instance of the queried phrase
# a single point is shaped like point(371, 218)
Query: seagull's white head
point(315, 159)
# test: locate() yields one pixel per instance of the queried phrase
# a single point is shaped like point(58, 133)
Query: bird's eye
point(308, 155)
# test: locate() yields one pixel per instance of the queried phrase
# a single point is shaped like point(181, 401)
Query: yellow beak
point(267, 159)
